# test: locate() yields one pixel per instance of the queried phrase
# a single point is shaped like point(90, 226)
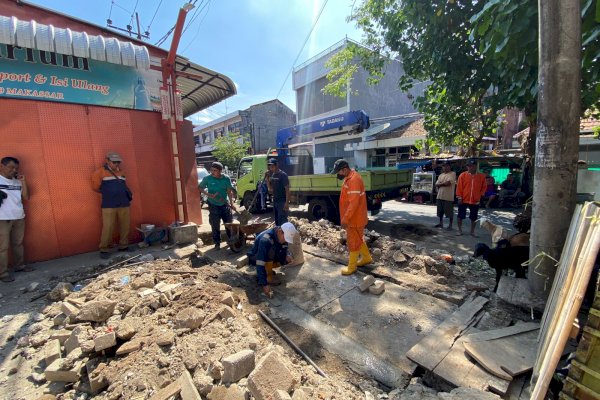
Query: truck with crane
point(320, 191)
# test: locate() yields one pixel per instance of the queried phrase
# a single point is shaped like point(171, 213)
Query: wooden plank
point(516, 388)
point(502, 332)
point(458, 370)
point(432, 349)
point(505, 357)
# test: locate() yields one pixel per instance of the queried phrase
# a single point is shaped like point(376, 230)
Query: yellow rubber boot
point(271, 278)
point(352, 260)
point(365, 256)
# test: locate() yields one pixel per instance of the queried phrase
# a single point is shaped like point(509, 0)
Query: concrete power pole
point(559, 109)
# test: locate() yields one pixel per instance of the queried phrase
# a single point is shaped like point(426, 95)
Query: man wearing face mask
point(353, 215)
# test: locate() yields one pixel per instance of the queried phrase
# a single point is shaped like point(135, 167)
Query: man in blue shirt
point(220, 193)
point(270, 251)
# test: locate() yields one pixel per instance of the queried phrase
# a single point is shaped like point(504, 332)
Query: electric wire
point(198, 30)
point(302, 48)
point(154, 16)
point(133, 12)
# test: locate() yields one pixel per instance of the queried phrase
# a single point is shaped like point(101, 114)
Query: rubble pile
point(163, 329)
point(432, 272)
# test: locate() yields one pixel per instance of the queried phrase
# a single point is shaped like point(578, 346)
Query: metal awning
point(200, 87)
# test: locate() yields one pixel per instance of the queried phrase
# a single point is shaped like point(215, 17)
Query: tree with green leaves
point(432, 39)
point(230, 149)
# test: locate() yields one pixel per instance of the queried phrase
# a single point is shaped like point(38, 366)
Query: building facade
point(259, 123)
point(388, 107)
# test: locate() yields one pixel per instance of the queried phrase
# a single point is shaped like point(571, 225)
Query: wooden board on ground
point(458, 370)
point(433, 348)
point(505, 357)
point(502, 332)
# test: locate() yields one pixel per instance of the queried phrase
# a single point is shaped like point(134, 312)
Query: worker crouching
point(353, 215)
point(270, 251)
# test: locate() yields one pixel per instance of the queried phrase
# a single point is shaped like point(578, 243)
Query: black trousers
point(215, 215)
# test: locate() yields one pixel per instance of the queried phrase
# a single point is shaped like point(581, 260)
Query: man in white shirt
point(13, 190)
point(445, 185)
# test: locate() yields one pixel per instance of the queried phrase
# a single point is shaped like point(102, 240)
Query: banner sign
point(41, 75)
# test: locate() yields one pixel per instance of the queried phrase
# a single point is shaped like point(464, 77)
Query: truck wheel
point(318, 209)
point(247, 200)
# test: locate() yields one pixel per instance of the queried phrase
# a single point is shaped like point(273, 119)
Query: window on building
point(196, 139)
point(206, 138)
point(219, 132)
point(235, 127)
point(312, 101)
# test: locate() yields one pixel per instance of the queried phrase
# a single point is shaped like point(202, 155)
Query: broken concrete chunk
point(143, 281)
point(129, 347)
point(237, 366)
point(97, 310)
point(61, 335)
point(366, 282)
point(300, 394)
point(59, 319)
point(188, 390)
point(124, 331)
point(241, 262)
point(105, 341)
point(60, 291)
point(226, 312)
point(69, 309)
point(270, 374)
point(15, 364)
point(233, 392)
point(52, 351)
point(377, 288)
point(32, 287)
point(59, 371)
point(203, 382)
point(399, 257)
point(190, 317)
point(228, 299)
point(165, 338)
point(98, 381)
point(281, 395)
point(147, 292)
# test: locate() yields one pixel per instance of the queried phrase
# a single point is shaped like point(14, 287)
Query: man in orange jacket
point(353, 215)
point(469, 189)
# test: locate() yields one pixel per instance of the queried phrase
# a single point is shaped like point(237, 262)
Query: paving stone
point(105, 341)
point(164, 299)
point(168, 391)
point(226, 312)
point(237, 366)
point(55, 373)
point(190, 317)
point(52, 351)
point(281, 395)
point(97, 310)
point(69, 309)
point(366, 282)
point(270, 375)
point(377, 288)
point(61, 335)
point(241, 262)
point(72, 342)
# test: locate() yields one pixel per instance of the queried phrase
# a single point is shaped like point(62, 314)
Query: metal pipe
point(291, 343)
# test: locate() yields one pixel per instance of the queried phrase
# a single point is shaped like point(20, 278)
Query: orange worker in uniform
point(353, 215)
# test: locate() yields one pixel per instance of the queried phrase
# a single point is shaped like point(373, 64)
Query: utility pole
point(557, 143)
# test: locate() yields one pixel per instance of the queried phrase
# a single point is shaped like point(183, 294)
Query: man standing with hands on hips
point(13, 190)
point(221, 200)
point(353, 215)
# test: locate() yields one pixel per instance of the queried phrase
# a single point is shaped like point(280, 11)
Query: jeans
point(215, 215)
point(281, 215)
point(11, 235)
point(109, 215)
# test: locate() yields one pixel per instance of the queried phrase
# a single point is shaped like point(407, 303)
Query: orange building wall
point(60, 145)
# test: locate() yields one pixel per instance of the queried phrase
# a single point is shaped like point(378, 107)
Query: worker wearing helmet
point(353, 215)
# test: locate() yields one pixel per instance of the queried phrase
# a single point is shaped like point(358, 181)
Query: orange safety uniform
point(353, 209)
point(471, 187)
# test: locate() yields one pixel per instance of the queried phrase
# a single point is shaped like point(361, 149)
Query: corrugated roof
point(411, 129)
point(205, 89)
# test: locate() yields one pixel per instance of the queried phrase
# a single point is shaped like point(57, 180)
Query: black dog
point(504, 257)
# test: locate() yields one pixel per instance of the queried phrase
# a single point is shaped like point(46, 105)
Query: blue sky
point(253, 42)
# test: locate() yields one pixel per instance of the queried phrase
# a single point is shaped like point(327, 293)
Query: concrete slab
point(388, 324)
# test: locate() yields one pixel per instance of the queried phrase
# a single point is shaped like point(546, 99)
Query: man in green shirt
point(220, 193)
